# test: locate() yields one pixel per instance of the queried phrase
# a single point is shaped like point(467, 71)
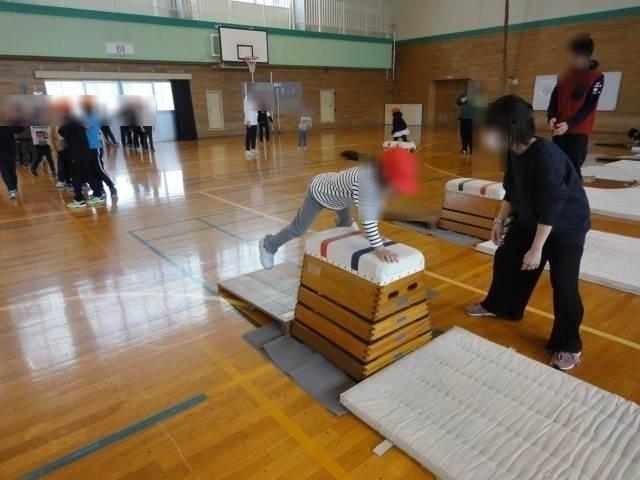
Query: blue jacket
point(93, 123)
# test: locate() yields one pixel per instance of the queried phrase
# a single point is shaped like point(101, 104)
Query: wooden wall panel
point(360, 94)
point(532, 52)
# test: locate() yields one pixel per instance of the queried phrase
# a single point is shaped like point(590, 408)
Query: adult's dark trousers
point(148, 138)
point(138, 136)
point(250, 137)
point(512, 287)
point(8, 171)
point(466, 134)
point(108, 134)
point(264, 131)
point(43, 151)
point(99, 172)
point(575, 146)
point(125, 136)
point(82, 170)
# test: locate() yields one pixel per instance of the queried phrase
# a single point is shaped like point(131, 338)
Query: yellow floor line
point(585, 328)
point(283, 420)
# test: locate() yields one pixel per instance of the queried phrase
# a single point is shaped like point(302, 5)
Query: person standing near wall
point(465, 119)
point(251, 123)
point(572, 108)
point(92, 124)
point(264, 130)
point(8, 157)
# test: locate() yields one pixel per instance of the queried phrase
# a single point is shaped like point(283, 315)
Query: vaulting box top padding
point(474, 186)
point(349, 249)
point(469, 409)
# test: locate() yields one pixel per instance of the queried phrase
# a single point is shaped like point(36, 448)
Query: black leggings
point(250, 137)
point(575, 146)
point(108, 134)
point(8, 171)
point(43, 151)
point(466, 134)
point(512, 287)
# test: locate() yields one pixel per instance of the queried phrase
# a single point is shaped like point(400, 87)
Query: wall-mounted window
point(161, 91)
point(268, 3)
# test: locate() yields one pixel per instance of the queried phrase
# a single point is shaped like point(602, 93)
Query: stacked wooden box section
point(470, 205)
point(360, 325)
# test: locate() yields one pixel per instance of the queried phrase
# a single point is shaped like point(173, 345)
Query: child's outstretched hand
point(386, 255)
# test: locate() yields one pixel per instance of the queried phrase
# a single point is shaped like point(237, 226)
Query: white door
point(327, 106)
point(214, 110)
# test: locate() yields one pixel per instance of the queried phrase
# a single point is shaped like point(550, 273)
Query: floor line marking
point(542, 313)
point(171, 262)
point(308, 443)
point(114, 437)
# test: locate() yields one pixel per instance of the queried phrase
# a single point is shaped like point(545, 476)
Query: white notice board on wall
point(608, 99)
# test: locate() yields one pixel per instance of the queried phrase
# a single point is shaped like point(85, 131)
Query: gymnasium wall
point(428, 18)
point(53, 32)
point(532, 51)
point(360, 93)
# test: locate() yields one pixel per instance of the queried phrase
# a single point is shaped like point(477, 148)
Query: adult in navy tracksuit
point(549, 219)
point(8, 157)
point(93, 124)
point(80, 162)
point(572, 108)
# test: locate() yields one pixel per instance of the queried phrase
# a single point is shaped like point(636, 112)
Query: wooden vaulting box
point(357, 311)
point(470, 205)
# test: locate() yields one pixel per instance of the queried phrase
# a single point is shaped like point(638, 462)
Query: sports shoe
point(13, 193)
point(97, 200)
point(477, 310)
point(565, 361)
point(61, 185)
point(77, 204)
point(33, 171)
point(266, 257)
point(248, 155)
point(113, 191)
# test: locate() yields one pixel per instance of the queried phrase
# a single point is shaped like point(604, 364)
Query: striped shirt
point(339, 190)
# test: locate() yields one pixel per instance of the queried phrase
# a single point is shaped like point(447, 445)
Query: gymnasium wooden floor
point(110, 316)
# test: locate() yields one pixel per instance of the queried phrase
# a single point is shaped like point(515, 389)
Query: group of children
point(258, 122)
point(79, 149)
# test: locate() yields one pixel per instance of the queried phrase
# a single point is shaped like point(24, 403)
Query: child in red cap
point(399, 129)
point(365, 186)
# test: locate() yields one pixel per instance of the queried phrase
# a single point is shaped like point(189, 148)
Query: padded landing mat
point(618, 203)
point(608, 259)
point(469, 409)
point(273, 292)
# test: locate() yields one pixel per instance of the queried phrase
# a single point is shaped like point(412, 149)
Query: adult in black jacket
point(549, 215)
point(8, 157)
point(75, 136)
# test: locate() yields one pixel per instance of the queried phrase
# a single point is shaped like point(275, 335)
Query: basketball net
point(251, 63)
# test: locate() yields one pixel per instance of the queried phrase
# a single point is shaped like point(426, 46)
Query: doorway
point(214, 110)
point(442, 108)
point(327, 106)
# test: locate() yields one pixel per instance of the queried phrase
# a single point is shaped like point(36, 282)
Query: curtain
point(184, 116)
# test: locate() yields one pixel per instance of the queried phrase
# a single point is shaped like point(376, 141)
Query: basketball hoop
point(251, 63)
